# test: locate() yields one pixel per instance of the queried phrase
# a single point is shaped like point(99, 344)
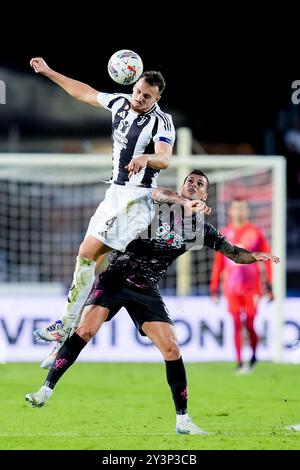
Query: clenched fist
point(39, 65)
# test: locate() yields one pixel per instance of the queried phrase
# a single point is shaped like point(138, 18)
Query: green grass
point(129, 406)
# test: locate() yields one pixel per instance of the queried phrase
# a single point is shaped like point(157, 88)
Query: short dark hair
point(154, 79)
point(197, 172)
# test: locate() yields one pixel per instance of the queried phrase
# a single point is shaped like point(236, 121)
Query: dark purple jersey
point(146, 260)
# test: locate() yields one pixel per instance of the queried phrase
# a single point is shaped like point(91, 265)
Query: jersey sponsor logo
point(120, 139)
point(172, 238)
point(123, 126)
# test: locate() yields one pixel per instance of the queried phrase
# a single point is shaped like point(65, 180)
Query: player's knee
point(85, 332)
point(85, 251)
point(171, 351)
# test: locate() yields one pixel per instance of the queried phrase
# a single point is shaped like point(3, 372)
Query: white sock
point(181, 418)
point(48, 390)
point(84, 276)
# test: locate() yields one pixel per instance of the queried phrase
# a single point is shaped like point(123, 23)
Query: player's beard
point(137, 109)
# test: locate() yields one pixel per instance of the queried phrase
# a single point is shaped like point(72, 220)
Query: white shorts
point(122, 215)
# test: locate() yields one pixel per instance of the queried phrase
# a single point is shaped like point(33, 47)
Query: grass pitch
point(112, 406)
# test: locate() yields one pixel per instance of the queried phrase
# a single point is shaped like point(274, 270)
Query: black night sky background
point(228, 88)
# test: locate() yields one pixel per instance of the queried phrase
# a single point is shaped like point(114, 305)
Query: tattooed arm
point(165, 195)
point(242, 256)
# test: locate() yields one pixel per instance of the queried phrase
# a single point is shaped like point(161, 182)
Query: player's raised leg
point(102, 264)
point(84, 275)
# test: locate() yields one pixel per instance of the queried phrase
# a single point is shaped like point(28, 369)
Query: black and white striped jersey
point(135, 134)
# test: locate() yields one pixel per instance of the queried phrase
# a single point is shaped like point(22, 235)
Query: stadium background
point(229, 110)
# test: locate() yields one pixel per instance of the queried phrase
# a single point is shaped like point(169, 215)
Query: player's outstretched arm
point(241, 256)
point(76, 89)
point(165, 195)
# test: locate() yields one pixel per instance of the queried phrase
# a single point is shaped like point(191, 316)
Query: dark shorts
point(143, 305)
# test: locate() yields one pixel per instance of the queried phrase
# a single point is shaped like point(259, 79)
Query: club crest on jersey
point(142, 120)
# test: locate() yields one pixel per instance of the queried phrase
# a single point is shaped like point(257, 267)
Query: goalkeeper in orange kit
point(242, 284)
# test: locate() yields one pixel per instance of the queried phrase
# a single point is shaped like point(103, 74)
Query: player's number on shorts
point(110, 222)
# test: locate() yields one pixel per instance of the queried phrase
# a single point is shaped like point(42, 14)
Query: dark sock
point(177, 380)
point(253, 360)
point(67, 354)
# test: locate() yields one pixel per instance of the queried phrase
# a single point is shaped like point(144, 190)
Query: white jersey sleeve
point(165, 129)
point(108, 99)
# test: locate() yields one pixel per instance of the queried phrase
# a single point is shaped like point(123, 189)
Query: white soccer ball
point(125, 67)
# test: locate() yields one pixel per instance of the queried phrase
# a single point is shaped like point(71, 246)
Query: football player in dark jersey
point(131, 281)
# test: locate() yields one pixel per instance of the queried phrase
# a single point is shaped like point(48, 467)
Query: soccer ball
point(125, 67)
